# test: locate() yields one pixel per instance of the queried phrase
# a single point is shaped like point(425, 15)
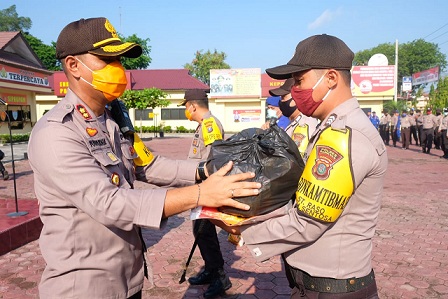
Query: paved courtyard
point(410, 246)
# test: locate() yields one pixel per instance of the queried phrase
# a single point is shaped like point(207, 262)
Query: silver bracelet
point(199, 195)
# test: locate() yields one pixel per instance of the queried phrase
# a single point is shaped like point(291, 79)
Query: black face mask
point(285, 107)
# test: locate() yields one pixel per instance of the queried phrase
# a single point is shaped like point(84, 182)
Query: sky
point(252, 33)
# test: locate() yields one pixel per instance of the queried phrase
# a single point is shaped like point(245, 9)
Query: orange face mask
point(188, 113)
point(111, 80)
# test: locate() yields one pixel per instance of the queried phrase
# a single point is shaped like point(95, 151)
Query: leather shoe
point(203, 277)
point(218, 286)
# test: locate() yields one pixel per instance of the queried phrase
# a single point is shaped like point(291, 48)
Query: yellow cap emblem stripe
point(106, 41)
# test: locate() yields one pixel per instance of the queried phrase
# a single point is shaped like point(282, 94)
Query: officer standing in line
point(301, 126)
point(429, 122)
point(405, 126)
point(84, 172)
point(374, 119)
point(394, 127)
point(327, 243)
point(273, 111)
point(419, 124)
point(443, 134)
point(413, 121)
point(208, 131)
point(384, 127)
point(437, 135)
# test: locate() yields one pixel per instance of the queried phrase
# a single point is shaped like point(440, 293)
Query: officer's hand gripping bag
point(274, 158)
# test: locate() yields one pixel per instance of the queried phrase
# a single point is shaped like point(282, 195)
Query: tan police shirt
point(343, 248)
point(429, 121)
point(83, 172)
point(405, 122)
point(206, 133)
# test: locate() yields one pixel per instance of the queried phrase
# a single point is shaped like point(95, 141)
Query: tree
point(203, 62)
point(146, 98)
point(10, 20)
point(413, 57)
point(141, 62)
point(439, 97)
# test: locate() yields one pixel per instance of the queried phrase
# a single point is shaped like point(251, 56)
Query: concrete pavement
point(410, 254)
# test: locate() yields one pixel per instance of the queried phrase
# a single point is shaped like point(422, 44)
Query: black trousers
point(414, 135)
point(299, 291)
point(444, 143)
point(394, 135)
point(136, 296)
point(384, 133)
point(437, 138)
point(208, 244)
point(427, 139)
point(420, 133)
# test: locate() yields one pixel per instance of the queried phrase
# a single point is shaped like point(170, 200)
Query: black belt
point(332, 285)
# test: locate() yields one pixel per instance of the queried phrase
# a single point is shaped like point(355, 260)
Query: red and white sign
point(427, 76)
point(373, 80)
point(13, 74)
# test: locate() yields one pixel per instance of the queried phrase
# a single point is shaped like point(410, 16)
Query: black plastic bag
point(274, 158)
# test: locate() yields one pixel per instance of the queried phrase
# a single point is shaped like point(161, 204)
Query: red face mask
point(304, 98)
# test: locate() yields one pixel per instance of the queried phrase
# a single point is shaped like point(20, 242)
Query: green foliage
point(203, 62)
point(146, 98)
point(182, 129)
point(141, 62)
point(391, 106)
point(10, 20)
point(5, 138)
point(439, 97)
point(143, 99)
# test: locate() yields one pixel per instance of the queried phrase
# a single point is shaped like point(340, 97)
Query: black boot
point(219, 284)
point(203, 277)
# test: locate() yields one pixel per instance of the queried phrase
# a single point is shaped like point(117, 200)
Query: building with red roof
point(22, 77)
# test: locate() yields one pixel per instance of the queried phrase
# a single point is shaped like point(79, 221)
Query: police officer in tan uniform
point(85, 169)
point(384, 127)
point(394, 127)
point(429, 122)
point(443, 134)
point(208, 131)
point(301, 126)
point(405, 127)
point(419, 123)
point(326, 238)
point(413, 129)
point(437, 134)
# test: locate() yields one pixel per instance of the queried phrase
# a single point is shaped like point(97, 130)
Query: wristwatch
point(201, 170)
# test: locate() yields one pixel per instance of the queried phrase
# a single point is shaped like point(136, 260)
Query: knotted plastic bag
point(274, 158)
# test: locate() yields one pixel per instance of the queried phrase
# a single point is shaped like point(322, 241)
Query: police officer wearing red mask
point(326, 237)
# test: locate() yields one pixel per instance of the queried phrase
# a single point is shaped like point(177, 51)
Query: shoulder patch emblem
point(330, 119)
point(115, 179)
point(91, 131)
point(83, 111)
point(326, 157)
point(298, 138)
point(112, 156)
